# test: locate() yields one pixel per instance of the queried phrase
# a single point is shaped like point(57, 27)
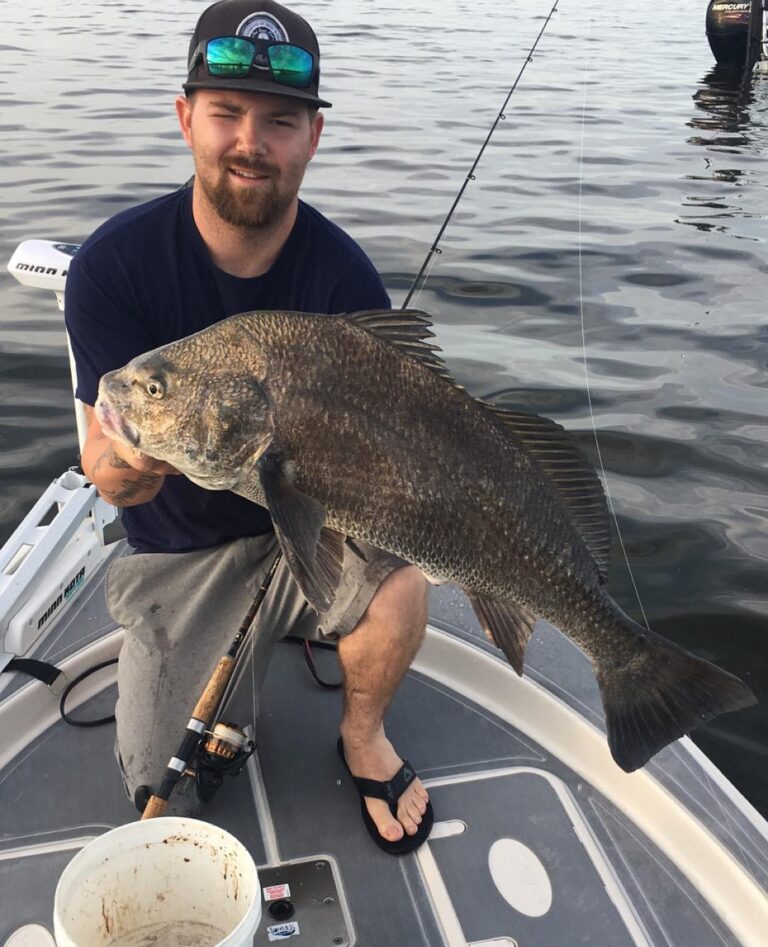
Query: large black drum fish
point(350, 426)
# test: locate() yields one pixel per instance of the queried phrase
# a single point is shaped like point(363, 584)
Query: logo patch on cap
point(263, 29)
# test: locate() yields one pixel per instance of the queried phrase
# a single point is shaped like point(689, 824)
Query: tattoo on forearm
point(132, 488)
point(114, 460)
point(100, 460)
point(117, 461)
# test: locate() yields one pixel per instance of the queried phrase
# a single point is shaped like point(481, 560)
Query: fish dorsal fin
point(407, 330)
point(568, 471)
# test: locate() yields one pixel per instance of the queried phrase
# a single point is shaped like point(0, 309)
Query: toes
point(410, 824)
point(418, 797)
point(413, 811)
point(389, 828)
point(417, 789)
point(393, 832)
point(410, 813)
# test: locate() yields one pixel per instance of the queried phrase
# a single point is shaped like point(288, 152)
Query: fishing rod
point(435, 248)
point(225, 751)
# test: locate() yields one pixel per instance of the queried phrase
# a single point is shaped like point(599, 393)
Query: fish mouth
point(114, 425)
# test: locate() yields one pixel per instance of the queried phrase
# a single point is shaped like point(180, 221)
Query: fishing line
point(427, 272)
point(585, 358)
point(246, 655)
point(426, 267)
point(434, 249)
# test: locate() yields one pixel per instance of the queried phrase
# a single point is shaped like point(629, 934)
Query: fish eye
point(155, 388)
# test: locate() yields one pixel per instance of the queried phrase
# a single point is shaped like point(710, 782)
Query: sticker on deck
point(281, 931)
point(274, 892)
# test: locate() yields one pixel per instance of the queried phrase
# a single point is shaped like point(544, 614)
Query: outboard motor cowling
point(734, 30)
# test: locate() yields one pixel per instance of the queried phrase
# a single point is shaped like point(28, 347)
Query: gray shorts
point(180, 612)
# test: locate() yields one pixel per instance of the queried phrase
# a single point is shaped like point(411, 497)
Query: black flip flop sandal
point(390, 792)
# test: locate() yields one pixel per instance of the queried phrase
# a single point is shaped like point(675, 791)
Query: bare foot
point(376, 759)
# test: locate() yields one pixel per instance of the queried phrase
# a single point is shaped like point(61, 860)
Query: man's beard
point(249, 209)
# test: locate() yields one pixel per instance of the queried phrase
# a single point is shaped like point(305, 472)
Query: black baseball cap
point(263, 21)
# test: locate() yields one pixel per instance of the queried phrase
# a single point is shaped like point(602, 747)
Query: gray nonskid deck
point(610, 885)
point(558, 665)
point(550, 660)
point(480, 772)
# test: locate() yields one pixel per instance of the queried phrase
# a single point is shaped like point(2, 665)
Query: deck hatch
point(525, 807)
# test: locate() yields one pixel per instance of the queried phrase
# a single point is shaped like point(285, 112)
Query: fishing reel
point(217, 753)
point(222, 752)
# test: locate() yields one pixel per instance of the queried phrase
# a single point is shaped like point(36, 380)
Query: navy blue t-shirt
point(145, 278)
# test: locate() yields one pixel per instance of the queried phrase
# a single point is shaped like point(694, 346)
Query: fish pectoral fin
point(506, 625)
point(314, 554)
point(330, 557)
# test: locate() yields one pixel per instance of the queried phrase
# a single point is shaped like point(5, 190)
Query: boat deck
point(539, 839)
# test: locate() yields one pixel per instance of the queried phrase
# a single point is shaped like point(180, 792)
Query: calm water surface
point(626, 191)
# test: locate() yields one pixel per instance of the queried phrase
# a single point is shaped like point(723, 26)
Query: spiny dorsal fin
point(568, 471)
point(406, 329)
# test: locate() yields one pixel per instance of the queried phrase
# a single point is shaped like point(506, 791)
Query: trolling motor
point(220, 752)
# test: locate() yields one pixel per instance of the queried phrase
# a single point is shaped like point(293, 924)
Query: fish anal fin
point(506, 625)
point(313, 554)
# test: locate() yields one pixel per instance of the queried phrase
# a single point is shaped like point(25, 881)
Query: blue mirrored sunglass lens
point(291, 65)
point(229, 56)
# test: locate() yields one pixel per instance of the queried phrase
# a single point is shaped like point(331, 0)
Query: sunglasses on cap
point(233, 57)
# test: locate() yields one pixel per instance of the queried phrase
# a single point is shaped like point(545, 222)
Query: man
point(239, 239)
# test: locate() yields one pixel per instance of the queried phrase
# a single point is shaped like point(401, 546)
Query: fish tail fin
point(660, 694)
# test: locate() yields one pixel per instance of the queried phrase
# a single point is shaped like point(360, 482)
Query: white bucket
point(168, 882)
